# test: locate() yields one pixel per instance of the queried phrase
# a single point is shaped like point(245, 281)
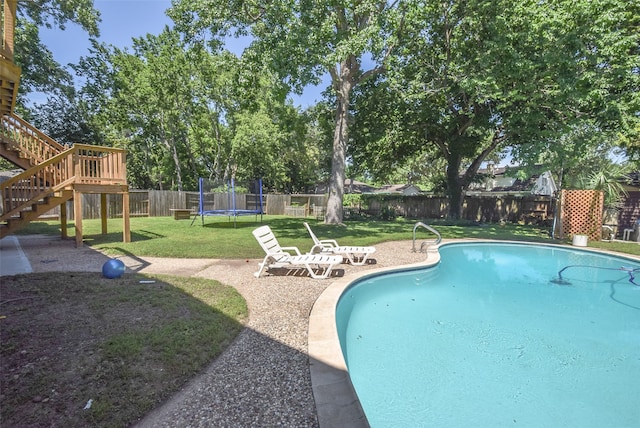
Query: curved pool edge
point(337, 404)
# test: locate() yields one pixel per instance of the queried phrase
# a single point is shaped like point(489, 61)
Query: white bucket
point(580, 240)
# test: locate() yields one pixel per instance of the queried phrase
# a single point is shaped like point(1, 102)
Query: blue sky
point(123, 20)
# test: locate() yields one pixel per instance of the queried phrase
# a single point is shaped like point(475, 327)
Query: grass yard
point(218, 238)
point(128, 345)
point(166, 237)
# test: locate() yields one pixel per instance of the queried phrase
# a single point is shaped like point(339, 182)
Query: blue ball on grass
point(113, 268)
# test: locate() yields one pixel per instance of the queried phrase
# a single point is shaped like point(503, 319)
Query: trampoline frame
point(233, 211)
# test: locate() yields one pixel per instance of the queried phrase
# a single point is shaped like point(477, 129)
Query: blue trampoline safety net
point(229, 199)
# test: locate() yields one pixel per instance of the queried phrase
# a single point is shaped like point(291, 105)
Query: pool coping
point(337, 403)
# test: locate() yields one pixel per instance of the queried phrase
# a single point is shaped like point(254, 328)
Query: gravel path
point(262, 379)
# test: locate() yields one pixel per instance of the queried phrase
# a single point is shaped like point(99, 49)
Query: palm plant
point(610, 181)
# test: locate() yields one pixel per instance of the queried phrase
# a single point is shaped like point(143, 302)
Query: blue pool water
point(492, 337)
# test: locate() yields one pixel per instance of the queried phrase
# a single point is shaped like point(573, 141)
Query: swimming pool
point(496, 335)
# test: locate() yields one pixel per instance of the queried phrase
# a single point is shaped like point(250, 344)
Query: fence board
point(630, 213)
point(276, 204)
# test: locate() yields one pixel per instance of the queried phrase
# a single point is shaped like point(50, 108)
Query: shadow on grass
point(218, 222)
point(125, 344)
point(136, 236)
point(402, 229)
point(51, 229)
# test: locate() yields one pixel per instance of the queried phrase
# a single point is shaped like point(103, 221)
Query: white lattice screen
point(581, 212)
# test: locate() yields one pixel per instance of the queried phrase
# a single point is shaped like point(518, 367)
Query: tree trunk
point(334, 214)
point(458, 184)
point(169, 143)
point(343, 84)
point(176, 160)
point(454, 186)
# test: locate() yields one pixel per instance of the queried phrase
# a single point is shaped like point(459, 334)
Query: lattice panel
point(581, 212)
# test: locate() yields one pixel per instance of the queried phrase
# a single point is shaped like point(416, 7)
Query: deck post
point(103, 212)
point(63, 220)
point(126, 229)
point(77, 215)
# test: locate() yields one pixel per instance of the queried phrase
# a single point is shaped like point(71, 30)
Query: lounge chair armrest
point(329, 243)
point(294, 249)
point(319, 248)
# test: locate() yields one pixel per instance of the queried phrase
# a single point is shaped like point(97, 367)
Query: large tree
point(40, 71)
point(161, 103)
point(183, 112)
point(301, 41)
point(476, 77)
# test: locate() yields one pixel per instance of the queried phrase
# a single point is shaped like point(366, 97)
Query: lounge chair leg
point(261, 267)
point(257, 274)
point(325, 274)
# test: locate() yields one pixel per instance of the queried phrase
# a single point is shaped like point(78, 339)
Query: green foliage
point(5, 165)
point(272, 144)
point(183, 113)
point(40, 72)
point(555, 82)
point(65, 119)
point(57, 13)
point(473, 78)
point(609, 180)
point(299, 42)
point(387, 214)
point(353, 200)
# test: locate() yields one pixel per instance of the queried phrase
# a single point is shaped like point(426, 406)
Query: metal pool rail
point(425, 244)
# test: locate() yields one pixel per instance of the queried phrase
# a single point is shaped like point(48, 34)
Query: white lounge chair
point(356, 255)
point(277, 256)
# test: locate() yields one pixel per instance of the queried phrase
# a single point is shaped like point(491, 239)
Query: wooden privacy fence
point(158, 203)
point(630, 212)
point(481, 208)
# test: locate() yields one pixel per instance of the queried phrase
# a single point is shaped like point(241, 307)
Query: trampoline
point(234, 207)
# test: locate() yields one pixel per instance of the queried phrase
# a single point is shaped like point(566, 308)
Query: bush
point(387, 214)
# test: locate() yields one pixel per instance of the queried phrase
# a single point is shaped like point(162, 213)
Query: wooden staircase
point(9, 82)
point(9, 72)
point(23, 144)
point(55, 174)
point(38, 208)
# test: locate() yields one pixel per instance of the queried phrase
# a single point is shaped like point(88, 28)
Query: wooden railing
point(31, 142)
point(99, 165)
point(81, 164)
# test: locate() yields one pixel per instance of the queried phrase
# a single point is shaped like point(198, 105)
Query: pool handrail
point(426, 243)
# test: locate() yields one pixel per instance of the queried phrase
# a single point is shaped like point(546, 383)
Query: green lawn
point(126, 344)
point(218, 238)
